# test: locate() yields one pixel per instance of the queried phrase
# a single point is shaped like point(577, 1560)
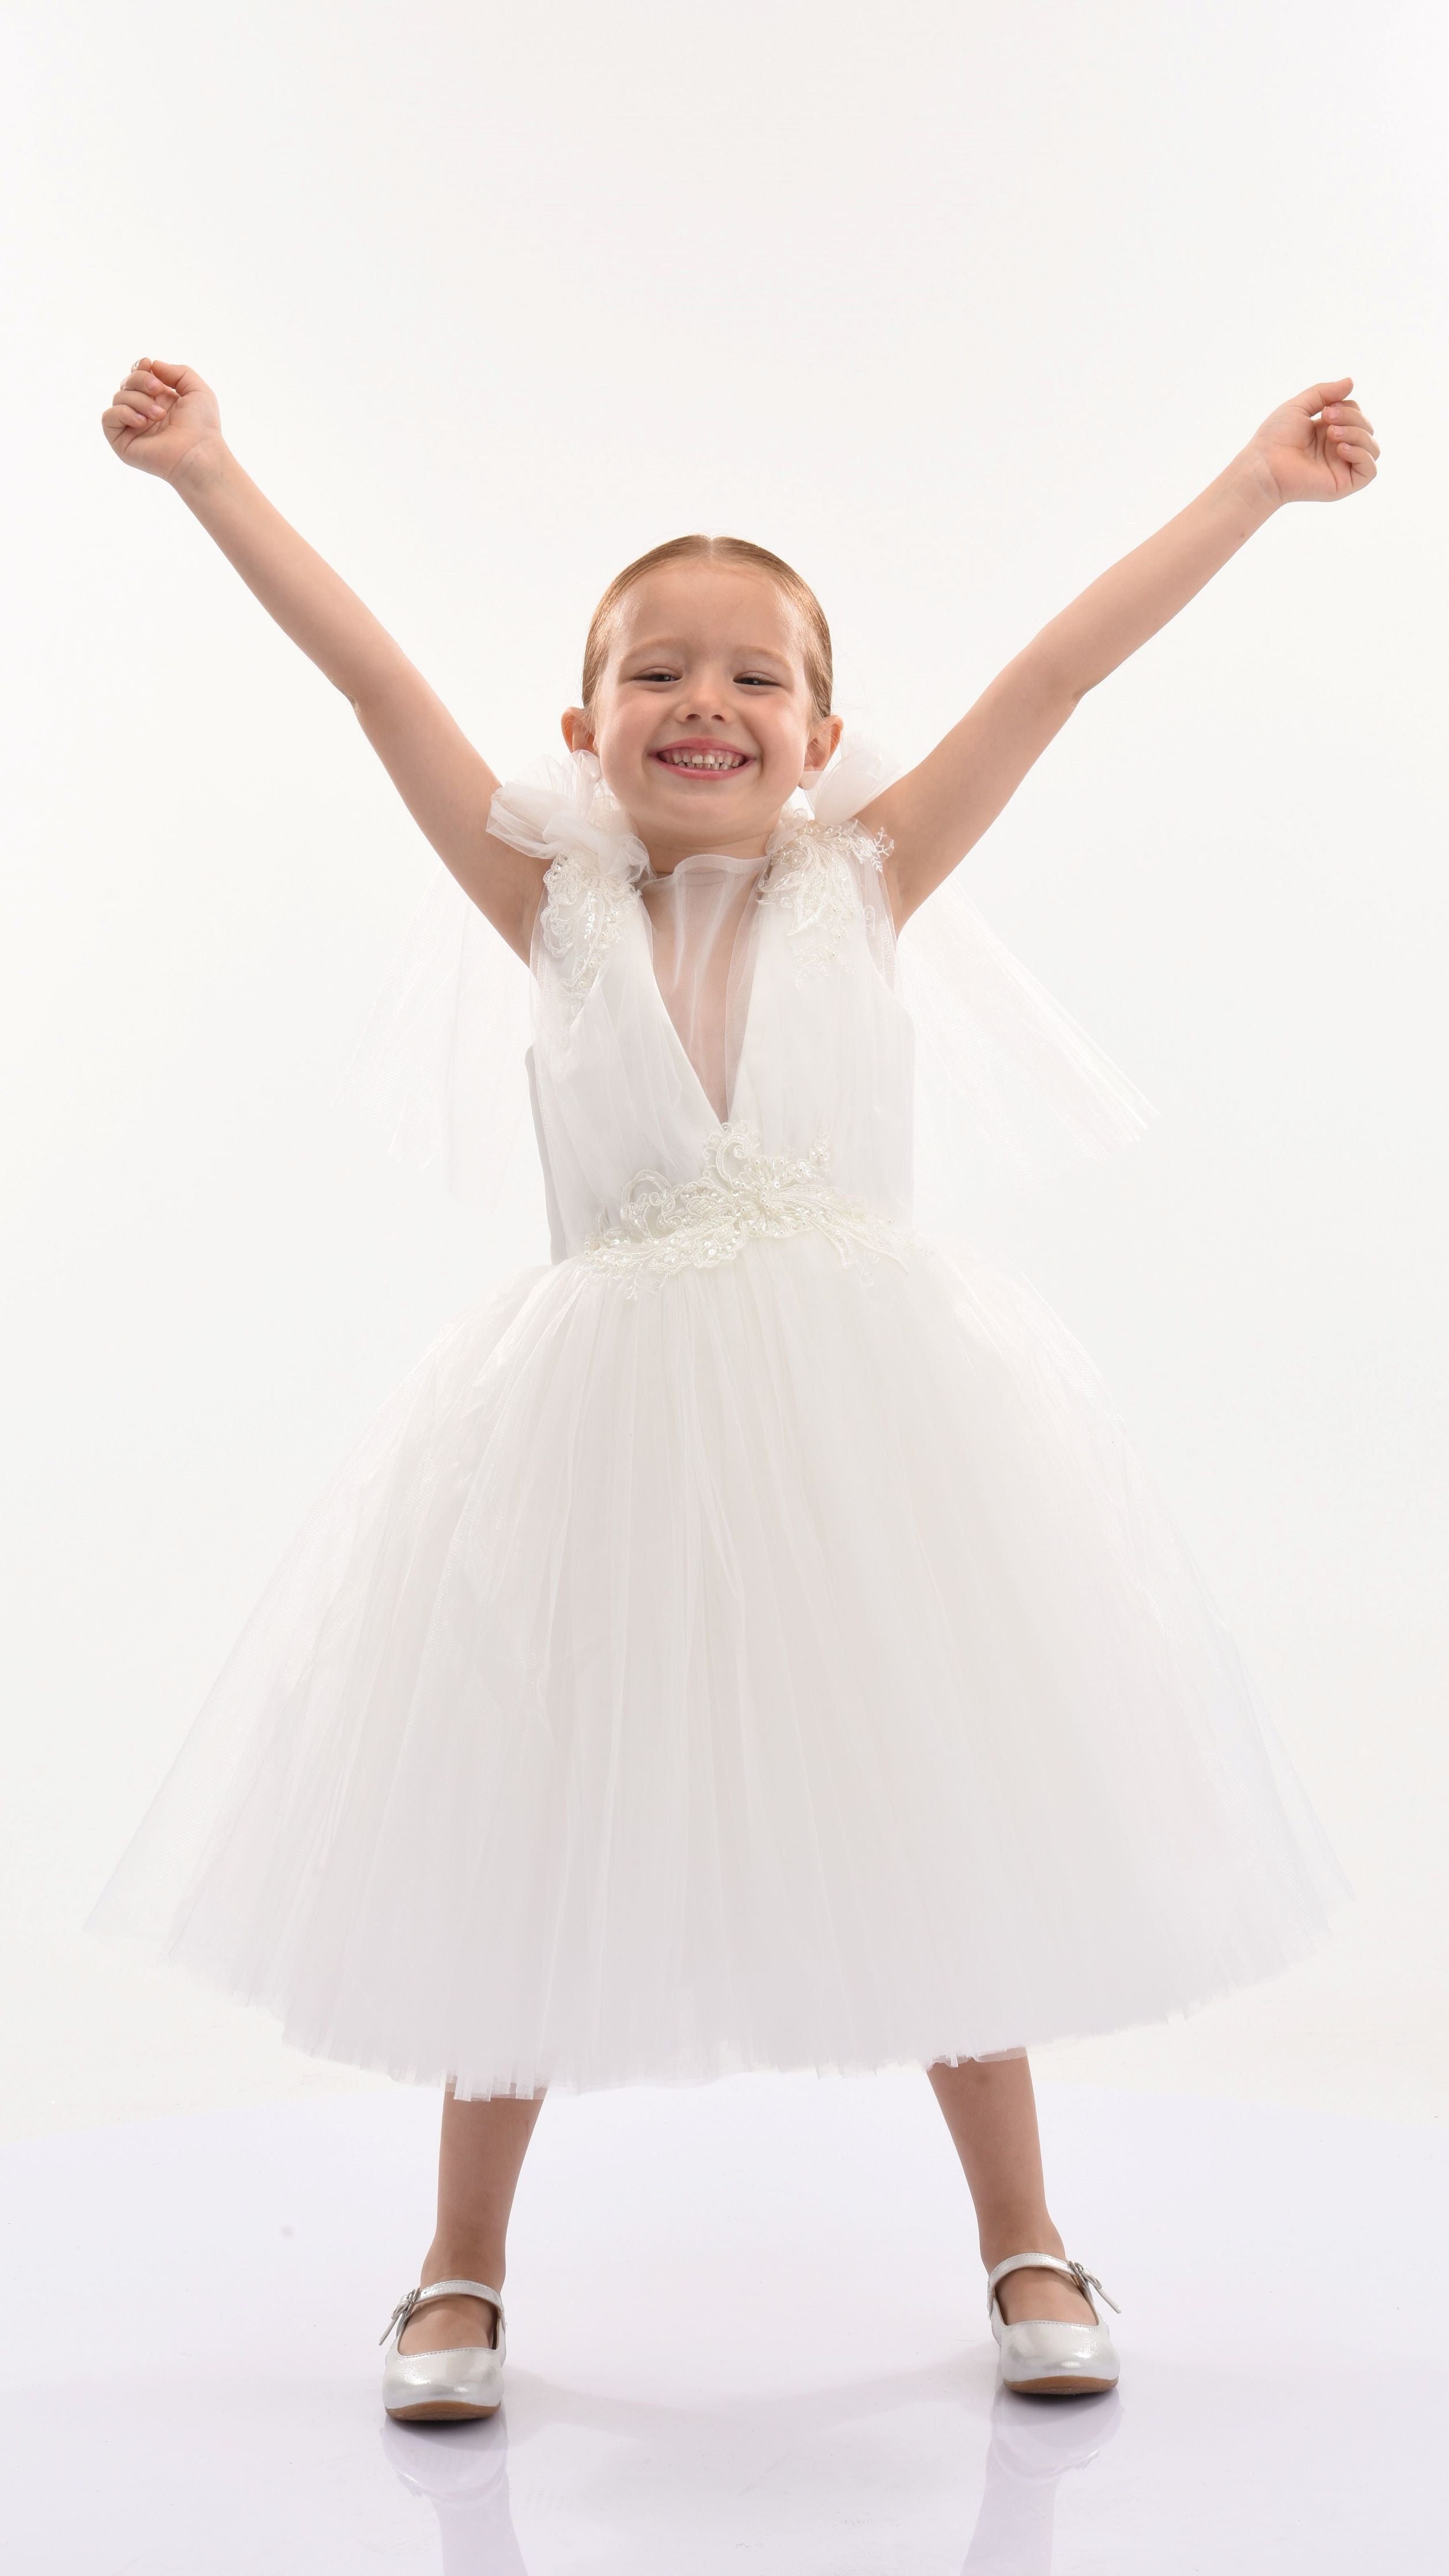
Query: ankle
point(1019, 2232)
point(448, 2259)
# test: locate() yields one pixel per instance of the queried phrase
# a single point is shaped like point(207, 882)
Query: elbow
point(1061, 680)
point(379, 689)
point(364, 704)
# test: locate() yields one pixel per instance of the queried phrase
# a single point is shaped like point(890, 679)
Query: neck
point(666, 853)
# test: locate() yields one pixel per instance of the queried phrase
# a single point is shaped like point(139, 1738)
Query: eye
point(756, 680)
point(656, 675)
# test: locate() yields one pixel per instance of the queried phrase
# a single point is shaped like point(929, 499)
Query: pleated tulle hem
point(475, 2072)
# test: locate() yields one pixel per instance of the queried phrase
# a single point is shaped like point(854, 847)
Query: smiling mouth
point(723, 761)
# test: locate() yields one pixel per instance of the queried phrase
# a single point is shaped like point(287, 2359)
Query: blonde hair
point(814, 632)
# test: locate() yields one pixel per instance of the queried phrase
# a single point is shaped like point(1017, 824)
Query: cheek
point(622, 733)
point(781, 732)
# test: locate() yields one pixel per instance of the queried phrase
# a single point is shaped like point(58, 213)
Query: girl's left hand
point(1318, 447)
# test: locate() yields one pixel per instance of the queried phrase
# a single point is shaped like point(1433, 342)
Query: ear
point(820, 744)
point(577, 731)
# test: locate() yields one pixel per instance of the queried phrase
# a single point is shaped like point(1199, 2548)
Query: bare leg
point(479, 2160)
point(990, 2110)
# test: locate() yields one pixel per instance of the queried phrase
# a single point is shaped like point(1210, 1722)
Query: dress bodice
point(732, 1009)
point(753, 1010)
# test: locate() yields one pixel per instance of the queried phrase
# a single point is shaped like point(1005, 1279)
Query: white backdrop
point(950, 305)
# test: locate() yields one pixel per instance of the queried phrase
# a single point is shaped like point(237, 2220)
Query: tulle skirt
point(784, 1666)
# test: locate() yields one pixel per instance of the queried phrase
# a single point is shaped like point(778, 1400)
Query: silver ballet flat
point(1043, 2358)
point(443, 2387)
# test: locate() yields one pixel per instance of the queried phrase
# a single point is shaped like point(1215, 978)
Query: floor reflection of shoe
point(1041, 2357)
point(1032, 2448)
point(464, 2476)
point(443, 2387)
point(1040, 2443)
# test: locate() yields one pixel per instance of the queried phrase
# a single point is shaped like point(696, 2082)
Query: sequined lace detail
point(740, 1193)
point(811, 878)
point(581, 917)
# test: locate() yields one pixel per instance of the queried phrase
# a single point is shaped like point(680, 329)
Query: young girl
point(746, 1641)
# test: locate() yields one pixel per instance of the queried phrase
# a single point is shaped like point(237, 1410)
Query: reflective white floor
point(745, 2330)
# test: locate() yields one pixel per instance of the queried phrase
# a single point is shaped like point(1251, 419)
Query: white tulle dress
point(746, 1641)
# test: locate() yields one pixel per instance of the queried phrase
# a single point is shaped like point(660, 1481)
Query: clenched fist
point(160, 416)
point(1318, 447)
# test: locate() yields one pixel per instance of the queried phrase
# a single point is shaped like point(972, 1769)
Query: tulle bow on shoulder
point(563, 805)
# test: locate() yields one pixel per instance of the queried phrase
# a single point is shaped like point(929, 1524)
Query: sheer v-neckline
point(737, 991)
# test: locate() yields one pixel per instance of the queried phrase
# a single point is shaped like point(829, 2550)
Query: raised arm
point(1318, 447)
point(167, 422)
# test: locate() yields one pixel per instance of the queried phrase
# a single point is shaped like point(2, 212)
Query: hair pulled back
point(814, 631)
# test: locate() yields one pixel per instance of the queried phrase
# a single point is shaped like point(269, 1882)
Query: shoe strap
point(1086, 2282)
point(420, 2297)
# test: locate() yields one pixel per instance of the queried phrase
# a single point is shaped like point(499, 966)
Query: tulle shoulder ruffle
point(563, 805)
point(1009, 1089)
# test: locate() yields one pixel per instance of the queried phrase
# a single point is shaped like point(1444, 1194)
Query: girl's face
point(704, 722)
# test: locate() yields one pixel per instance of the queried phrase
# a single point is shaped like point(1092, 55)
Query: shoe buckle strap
point(400, 2316)
point(1086, 2281)
point(419, 2298)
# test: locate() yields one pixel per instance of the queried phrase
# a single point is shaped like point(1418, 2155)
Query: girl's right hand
point(160, 416)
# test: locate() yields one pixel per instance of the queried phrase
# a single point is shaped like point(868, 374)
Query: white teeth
point(703, 759)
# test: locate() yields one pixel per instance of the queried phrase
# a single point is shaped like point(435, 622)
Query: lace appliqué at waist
point(740, 1194)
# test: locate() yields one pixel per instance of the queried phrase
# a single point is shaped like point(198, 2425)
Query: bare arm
point(1317, 447)
point(166, 420)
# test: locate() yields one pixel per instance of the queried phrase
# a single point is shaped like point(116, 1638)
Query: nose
point(703, 698)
